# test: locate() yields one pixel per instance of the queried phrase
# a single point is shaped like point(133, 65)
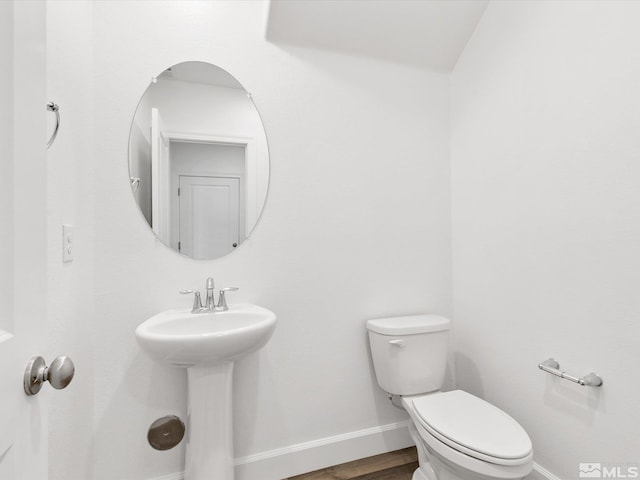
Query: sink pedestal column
point(209, 453)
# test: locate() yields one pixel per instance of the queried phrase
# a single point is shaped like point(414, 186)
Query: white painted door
point(23, 420)
point(159, 178)
point(209, 216)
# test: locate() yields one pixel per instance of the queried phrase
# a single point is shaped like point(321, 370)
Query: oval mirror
point(198, 160)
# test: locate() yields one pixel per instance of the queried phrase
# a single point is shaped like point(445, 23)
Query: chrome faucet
point(222, 299)
point(209, 304)
point(197, 303)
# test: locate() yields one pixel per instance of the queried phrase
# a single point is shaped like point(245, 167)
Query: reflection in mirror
point(198, 160)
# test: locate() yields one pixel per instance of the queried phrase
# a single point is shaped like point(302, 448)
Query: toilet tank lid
point(409, 325)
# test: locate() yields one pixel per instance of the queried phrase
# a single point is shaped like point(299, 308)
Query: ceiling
point(424, 33)
point(200, 72)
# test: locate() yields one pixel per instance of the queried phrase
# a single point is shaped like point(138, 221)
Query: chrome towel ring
point(53, 107)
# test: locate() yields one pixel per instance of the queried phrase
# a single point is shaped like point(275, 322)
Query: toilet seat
point(458, 460)
point(471, 426)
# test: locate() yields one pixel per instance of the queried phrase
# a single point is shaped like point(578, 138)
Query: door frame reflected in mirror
point(250, 202)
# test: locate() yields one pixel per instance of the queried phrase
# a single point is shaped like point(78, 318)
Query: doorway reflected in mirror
point(199, 150)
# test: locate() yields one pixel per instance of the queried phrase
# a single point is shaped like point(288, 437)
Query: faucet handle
point(222, 300)
point(197, 302)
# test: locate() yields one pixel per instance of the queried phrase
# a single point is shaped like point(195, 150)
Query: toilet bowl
point(458, 435)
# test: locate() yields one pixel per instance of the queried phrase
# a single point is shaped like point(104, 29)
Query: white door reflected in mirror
point(199, 150)
point(209, 216)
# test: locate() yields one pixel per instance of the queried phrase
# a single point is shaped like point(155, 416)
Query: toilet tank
point(409, 353)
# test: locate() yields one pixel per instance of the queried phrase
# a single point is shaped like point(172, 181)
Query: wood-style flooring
point(398, 465)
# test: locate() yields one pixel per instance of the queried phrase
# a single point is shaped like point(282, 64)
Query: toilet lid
point(470, 422)
point(409, 325)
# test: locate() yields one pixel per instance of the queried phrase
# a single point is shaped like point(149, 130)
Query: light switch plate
point(67, 243)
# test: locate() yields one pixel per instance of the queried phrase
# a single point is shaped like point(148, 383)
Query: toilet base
point(418, 475)
point(438, 462)
point(434, 467)
point(425, 470)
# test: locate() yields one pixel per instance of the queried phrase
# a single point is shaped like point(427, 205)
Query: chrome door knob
point(59, 374)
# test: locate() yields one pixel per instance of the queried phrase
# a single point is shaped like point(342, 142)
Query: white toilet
point(458, 436)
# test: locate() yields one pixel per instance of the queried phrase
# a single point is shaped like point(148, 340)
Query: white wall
point(191, 158)
point(546, 222)
point(6, 166)
point(356, 226)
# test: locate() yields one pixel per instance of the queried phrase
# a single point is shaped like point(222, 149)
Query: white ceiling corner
point(425, 33)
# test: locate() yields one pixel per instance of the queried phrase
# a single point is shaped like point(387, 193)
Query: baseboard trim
point(325, 452)
point(344, 437)
point(541, 473)
point(171, 476)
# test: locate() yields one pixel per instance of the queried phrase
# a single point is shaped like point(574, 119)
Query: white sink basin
point(183, 339)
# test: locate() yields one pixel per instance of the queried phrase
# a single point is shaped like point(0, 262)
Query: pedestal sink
point(206, 344)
